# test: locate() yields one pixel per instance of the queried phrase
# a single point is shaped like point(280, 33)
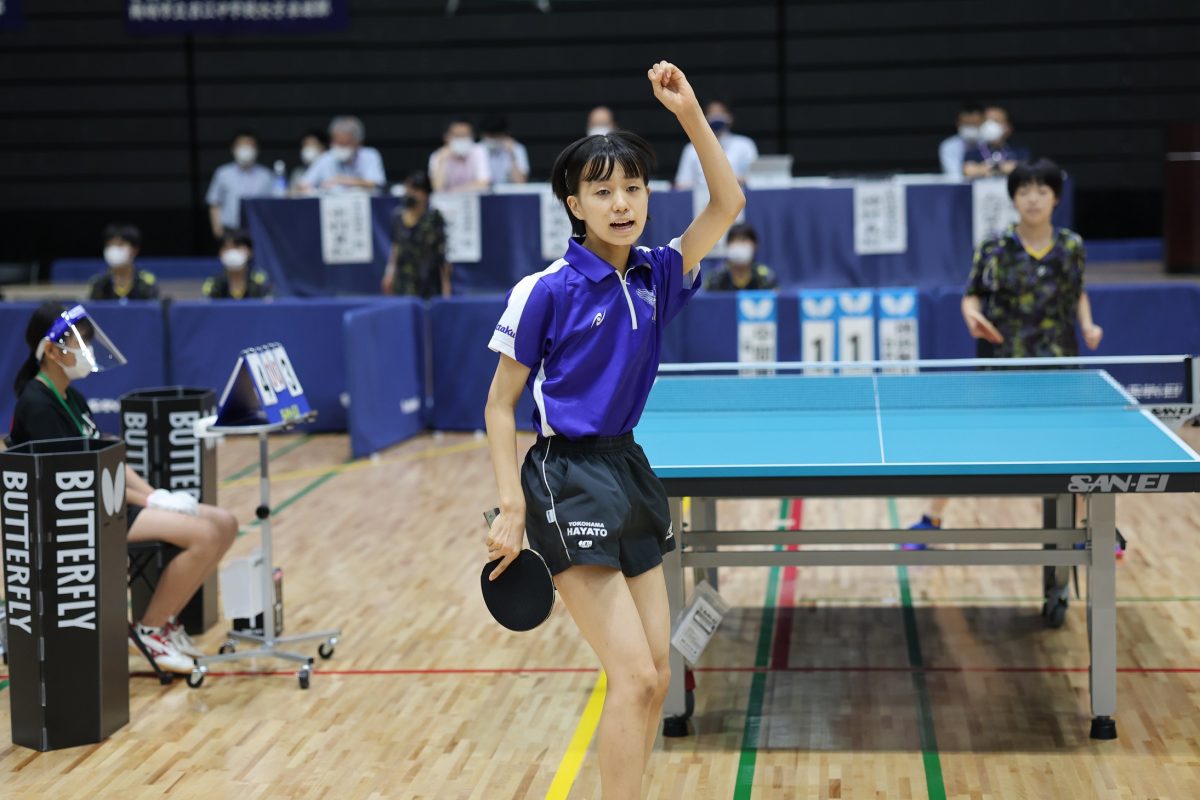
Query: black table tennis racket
point(522, 597)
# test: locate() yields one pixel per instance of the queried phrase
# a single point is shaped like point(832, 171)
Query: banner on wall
point(464, 226)
point(556, 226)
point(235, 16)
point(880, 218)
point(11, 17)
point(346, 229)
point(991, 208)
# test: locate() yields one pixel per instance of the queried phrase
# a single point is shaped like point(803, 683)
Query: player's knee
point(637, 683)
point(227, 525)
point(663, 672)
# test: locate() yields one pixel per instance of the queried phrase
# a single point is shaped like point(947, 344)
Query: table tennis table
point(1034, 430)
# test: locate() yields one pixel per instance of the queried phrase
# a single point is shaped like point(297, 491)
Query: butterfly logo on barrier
point(897, 305)
point(818, 307)
point(756, 309)
point(112, 490)
point(856, 303)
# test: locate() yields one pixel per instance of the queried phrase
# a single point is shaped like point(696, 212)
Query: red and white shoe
point(177, 636)
point(165, 654)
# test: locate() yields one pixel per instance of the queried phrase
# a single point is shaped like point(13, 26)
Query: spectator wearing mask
point(239, 280)
point(417, 263)
point(508, 161)
point(242, 177)
point(740, 150)
point(312, 145)
point(123, 280)
point(954, 148)
point(459, 165)
point(600, 121)
point(741, 270)
point(993, 154)
point(348, 164)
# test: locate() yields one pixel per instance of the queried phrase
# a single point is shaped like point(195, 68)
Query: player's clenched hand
point(671, 87)
point(980, 327)
point(504, 540)
point(1092, 334)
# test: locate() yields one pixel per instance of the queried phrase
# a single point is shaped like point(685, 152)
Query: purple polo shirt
point(591, 340)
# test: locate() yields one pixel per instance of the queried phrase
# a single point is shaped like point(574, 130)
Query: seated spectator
point(242, 177)
point(239, 280)
point(123, 281)
point(417, 263)
point(600, 121)
point(740, 270)
point(348, 163)
point(740, 150)
point(508, 161)
point(953, 148)
point(459, 165)
point(993, 154)
point(312, 145)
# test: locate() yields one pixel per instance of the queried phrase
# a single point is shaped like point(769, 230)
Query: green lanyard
point(70, 413)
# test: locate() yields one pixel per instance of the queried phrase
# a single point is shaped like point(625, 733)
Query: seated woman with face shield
point(66, 346)
point(741, 270)
point(239, 280)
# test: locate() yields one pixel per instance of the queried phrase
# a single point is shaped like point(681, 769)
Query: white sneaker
point(165, 654)
point(177, 636)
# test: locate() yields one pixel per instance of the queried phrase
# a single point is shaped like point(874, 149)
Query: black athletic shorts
point(595, 501)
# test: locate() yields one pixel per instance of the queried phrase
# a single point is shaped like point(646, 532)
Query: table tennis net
point(931, 386)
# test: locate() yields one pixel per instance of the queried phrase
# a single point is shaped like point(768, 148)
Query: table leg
point(1102, 613)
point(704, 518)
point(1057, 512)
point(675, 712)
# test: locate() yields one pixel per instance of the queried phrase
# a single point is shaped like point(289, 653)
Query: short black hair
point(120, 230)
point(971, 107)
point(249, 134)
point(593, 158)
point(743, 231)
point(494, 124)
point(1042, 172)
point(317, 134)
point(236, 237)
point(419, 180)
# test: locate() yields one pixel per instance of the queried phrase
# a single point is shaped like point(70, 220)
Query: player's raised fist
point(671, 87)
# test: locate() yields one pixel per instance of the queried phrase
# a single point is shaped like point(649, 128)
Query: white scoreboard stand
point(758, 328)
point(855, 324)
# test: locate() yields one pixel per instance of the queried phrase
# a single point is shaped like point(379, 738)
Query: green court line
point(3, 685)
point(744, 783)
point(935, 784)
point(300, 493)
point(282, 451)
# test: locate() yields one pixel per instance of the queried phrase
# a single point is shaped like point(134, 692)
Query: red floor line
point(710, 670)
point(786, 603)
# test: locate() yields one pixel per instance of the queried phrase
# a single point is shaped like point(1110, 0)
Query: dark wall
point(97, 125)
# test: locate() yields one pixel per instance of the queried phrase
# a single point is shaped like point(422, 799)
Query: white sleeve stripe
point(500, 344)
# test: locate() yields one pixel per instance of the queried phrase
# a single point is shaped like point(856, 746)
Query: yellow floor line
point(366, 463)
point(568, 768)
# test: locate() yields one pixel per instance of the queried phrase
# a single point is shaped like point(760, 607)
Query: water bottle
point(281, 181)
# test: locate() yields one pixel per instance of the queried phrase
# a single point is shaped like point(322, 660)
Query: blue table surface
point(966, 423)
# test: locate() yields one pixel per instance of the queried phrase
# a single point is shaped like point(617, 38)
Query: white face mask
point(991, 131)
point(969, 133)
point(245, 154)
point(309, 154)
point(599, 130)
point(461, 146)
point(81, 368)
point(116, 255)
point(234, 259)
point(342, 153)
point(740, 252)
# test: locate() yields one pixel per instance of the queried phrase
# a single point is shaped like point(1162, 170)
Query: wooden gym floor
point(829, 683)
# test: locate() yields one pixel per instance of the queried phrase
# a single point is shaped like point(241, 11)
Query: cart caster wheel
point(195, 679)
point(326, 650)
point(166, 679)
point(1055, 615)
point(304, 674)
point(228, 647)
point(1104, 728)
point(675, 727)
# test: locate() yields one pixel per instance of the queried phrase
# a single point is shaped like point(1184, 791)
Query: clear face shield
point(77, 333)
